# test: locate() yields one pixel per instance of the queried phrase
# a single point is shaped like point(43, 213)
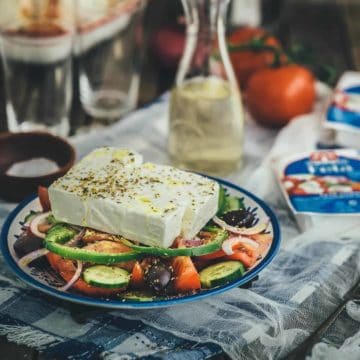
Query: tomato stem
point(259, 45)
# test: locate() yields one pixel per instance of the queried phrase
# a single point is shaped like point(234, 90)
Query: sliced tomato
point(44, 198)
point(66, 269)
point(137, 276)
point(242, 252)
point(264, 241)
point(247, 260)
point(186, 276)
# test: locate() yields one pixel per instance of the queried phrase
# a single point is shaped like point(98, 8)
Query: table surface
point(332, 28)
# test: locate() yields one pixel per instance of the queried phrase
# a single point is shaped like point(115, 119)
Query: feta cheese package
point(321, 186)
point(343, 111)
point(112, 190)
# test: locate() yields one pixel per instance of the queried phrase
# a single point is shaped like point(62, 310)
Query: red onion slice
point(228, 244)
point(193, 242)
point(241, 231)
point(30, 257)
point(74, 279)
point(36, 221)
point(257, 229)
point(224, 225)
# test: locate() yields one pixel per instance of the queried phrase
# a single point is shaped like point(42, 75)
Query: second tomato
point(246, 62)
point(276, 95)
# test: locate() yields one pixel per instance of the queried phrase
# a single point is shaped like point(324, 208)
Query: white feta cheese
point(198, 194)
point(111, 190)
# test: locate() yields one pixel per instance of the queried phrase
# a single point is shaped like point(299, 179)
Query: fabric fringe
point(27, 335)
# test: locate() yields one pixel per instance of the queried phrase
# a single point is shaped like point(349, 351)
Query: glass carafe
point(206, 114)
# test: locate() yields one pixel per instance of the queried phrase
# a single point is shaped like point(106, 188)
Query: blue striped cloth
point(291, 297)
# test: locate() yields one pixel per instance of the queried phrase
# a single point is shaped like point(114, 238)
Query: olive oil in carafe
point(206, 126)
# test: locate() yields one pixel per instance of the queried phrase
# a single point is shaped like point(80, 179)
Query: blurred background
point(322, 34)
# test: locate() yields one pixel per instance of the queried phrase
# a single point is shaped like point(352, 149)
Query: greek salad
point(104, 265)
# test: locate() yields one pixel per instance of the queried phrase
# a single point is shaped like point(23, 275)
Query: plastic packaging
point(321, 186)
point(343, 111)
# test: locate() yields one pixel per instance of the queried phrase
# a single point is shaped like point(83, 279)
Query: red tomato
point(264, 241)
point(276, 95)
point(44, 198)
point(186, 276)
point(137, 276)
point(246, 259)
point(246, 63)
point(242, 252)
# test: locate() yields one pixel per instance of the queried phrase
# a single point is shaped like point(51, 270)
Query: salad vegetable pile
point(105, 265)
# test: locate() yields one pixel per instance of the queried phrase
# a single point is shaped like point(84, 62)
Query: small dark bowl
point(15, 147)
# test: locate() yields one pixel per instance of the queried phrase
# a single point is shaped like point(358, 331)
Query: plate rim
point(118, 305)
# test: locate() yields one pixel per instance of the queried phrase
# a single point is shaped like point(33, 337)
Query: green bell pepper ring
point(60, 234)
point(205, 249)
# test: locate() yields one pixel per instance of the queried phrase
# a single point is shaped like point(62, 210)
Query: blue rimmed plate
point(44, 279)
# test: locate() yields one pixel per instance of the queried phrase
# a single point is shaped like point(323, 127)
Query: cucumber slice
point(222, 200)
point(234, 203)
point(221, 273)
point(227, 202)
point(109, 277)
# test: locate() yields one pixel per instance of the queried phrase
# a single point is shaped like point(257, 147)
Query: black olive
point(158, 276)
point(26, 243)
point(240, 218)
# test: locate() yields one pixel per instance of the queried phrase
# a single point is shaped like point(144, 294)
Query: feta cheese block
point(111, 190)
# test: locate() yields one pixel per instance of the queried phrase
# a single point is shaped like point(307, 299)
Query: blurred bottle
point(206, 115)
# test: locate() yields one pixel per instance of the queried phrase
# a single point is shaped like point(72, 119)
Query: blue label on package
point(345, 107)
point(324, 182)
